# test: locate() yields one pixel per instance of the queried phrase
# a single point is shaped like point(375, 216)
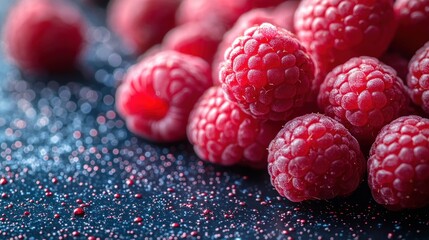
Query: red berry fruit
point(413, 25)
point(267, 72)
point(398, 166)
point(196, 39)
point(142, 24)
point(247, 20)
point(158, 94)
point(418, 78)
point(284, 14)
point(315, 157)
point(334, 31)
point(204, 11)
point(44, 35)
point(364, 95)
point(223, 134)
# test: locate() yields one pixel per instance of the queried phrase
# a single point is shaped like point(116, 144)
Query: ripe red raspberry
point(223, 134)
point(398, 167)
point(284, 13)
point(142, 24)
point(158, 94)
point(364, 95)
point(249, 19)
point(204, 11)
point(315, 157)
point(413, 25)
point(418, 78)
point(194, 39)
point(44, 35)
point(334, 31)
point(267, 72)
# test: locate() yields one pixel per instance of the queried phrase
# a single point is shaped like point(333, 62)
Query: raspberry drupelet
point(314, 157)
point(418, 78)
point(44, 36)
point(398, 166)
point(223, 134)
point(267, 72)
point(141, 24)
point(364, 95)
point(413, 25)
point(158, 94)
point(334, 31)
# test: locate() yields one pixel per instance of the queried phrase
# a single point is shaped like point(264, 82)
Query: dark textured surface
point(63, 146)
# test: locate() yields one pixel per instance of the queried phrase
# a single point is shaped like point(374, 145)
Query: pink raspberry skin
point(364, 95)
point(204, 11)
point(157, 94)
point(398, 166)
point(141, 24)
point(314, 157)
point(196, 39)
point(413, 25)
point(223, 134)
point(44, 35)
point(418, 78)
point(284, 14)
point(334, 31)
point(247, 20)
point(267, 72)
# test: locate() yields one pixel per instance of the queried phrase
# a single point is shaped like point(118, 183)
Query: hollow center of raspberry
point(148, 105)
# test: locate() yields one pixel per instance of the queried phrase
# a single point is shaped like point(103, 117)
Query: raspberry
point(141, 24)
point(204, 11)
point(315, 157)
point(44, 35)
point(249, 19)
point(413, 25)
point(223, 134)
point(267, 72)
point(194, 39)
point(284, 13)
point(398, 166)
point(364, 95)
point(334, 31)
point(158, 94)
point(418, 78)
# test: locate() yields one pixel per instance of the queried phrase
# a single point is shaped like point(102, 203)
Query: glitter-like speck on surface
point(70, 168)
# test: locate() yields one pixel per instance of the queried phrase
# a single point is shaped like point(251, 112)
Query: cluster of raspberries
point(322, 93)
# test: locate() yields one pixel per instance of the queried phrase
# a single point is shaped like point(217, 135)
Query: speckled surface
point(62, 146)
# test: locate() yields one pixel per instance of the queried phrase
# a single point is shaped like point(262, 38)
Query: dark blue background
point(62, 145)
